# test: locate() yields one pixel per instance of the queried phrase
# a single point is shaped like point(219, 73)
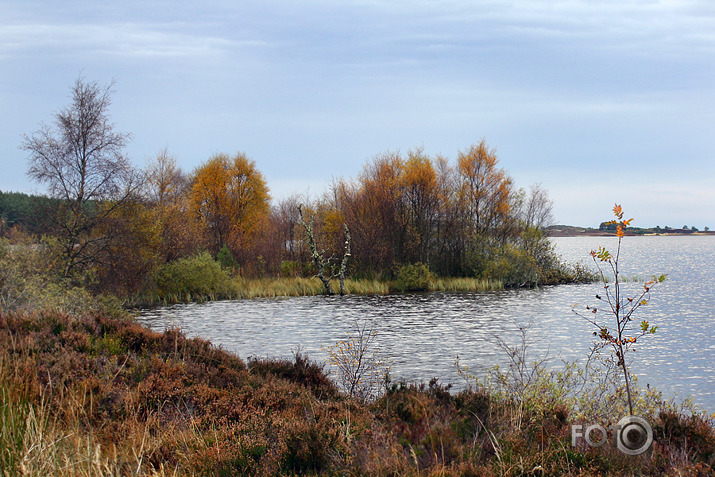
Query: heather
point(98, 394)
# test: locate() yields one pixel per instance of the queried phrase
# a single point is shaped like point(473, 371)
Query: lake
point(422, 334)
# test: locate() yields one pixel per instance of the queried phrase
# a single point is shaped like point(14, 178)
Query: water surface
point(422, 334)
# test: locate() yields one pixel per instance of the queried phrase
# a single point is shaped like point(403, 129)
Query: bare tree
point(165, 182)
point(80, 158)
point(538, 210)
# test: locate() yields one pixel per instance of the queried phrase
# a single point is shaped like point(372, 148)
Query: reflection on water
point(422, 334)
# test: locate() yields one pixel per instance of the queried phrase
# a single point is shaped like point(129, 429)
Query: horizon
point(599, 103)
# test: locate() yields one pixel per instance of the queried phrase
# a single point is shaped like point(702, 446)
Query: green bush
point(567, 273)
point(413, 277)
point(514, 266)
point(196, 276)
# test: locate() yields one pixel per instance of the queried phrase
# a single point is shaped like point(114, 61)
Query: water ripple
point(422, 334)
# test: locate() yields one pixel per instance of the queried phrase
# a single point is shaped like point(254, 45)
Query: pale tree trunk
point(325, 273)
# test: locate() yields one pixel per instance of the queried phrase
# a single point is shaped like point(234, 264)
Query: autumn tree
point(155, 229)
point(81, 159)
point(166, 192)
point(419, 201)
point(165, 181)
point(450, 231)
point(284, 220)
point(229, 196)
point(537, 210)
point(371, 209)
point(484, 191)
point(459, 220)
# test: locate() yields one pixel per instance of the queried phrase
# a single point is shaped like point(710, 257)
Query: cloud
point(124, 40)
point(559, 87)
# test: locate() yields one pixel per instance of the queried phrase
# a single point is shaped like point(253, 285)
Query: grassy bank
point(101, 395)
point(245, 288)
point(200, 277)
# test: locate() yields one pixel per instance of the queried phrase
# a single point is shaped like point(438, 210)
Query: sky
point(598, 101)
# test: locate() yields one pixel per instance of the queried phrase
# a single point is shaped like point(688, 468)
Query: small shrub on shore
point(413, 278)
point(196, 276)
point(513, 266)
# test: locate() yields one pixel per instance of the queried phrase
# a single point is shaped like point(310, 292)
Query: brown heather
point(101, 395)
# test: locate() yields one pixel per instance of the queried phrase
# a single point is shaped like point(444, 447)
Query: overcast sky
point(599, 101)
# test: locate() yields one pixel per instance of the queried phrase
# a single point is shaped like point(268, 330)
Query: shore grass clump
point(465, 284)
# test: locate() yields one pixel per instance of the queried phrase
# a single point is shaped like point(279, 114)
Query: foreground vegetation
point(86, 390)
point(98, 394)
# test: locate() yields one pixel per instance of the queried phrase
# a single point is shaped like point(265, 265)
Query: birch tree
point(81, 159)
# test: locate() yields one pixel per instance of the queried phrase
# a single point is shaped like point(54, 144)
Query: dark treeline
point(25, 211)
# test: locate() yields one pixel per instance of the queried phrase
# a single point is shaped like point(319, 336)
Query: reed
point(366, 287)
point(285, 287)
point(247, 288)
point(465, 285)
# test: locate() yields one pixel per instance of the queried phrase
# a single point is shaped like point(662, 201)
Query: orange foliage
point(485, 189)
point(230, 198)
point(420, 201)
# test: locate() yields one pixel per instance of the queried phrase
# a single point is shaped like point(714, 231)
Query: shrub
point(302, 371)
point(567, 273)
point(413, 277)
point(692, 434)
point(294, 269)
point(360, 366)
point(514, 266)
point(199, 275)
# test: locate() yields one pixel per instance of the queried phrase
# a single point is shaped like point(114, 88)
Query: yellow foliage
point(229, 196)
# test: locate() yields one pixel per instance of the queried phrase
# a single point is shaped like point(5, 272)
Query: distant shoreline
point(571, 231)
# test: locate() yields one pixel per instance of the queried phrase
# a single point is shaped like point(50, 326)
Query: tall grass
point(275, 287)
point(300, 286)
point(13, 415)
point(247, 288)
point(465, 285)
point(33, 441)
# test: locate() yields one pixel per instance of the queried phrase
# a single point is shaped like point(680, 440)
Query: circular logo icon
point(634, 435)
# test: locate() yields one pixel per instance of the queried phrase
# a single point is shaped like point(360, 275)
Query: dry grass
point(465, 285)
point(300, 286)
point(247, 288)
